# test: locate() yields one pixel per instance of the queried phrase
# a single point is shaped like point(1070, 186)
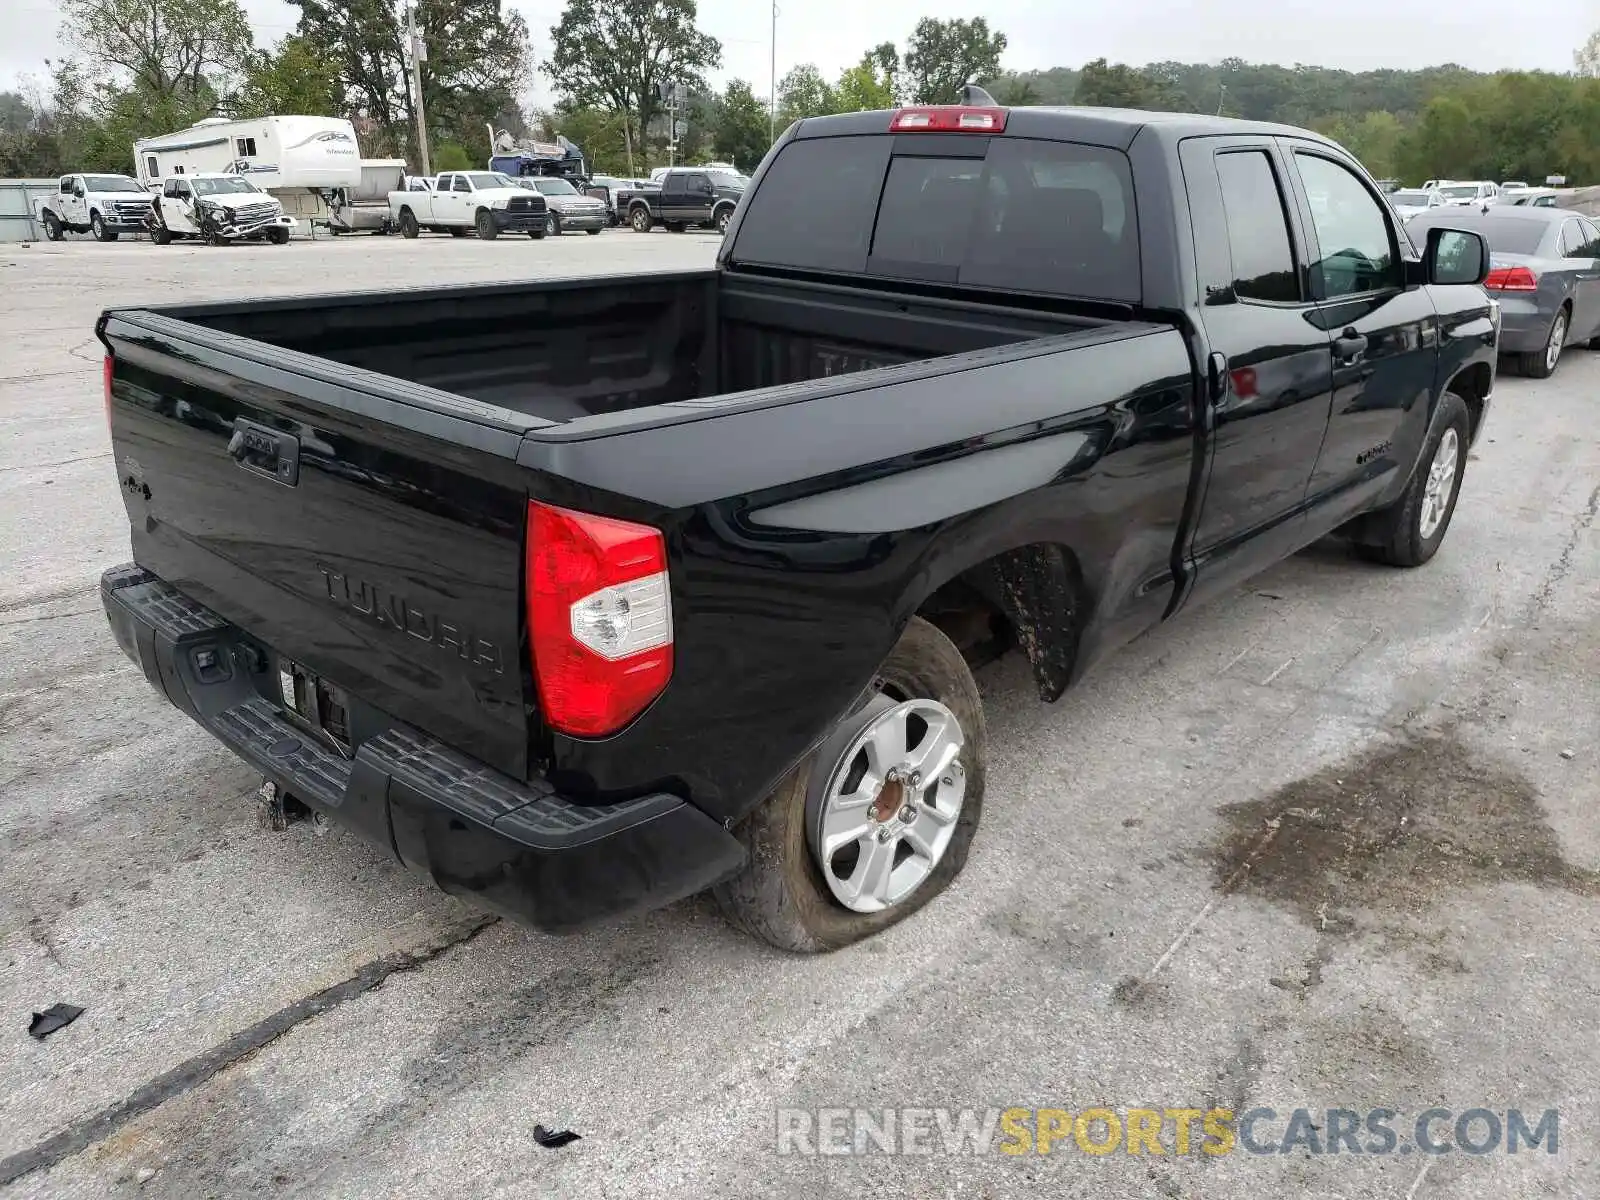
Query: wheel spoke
point(886, 747)
point(938, 749)
point(870, 879)
point(838, 833)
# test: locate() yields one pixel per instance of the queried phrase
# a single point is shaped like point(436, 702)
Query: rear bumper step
point(519, 848)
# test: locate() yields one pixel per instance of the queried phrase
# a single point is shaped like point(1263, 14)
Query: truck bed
point(564, 350)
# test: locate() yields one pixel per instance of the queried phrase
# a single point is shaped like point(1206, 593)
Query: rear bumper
point(1522, 326)
point(518, 848)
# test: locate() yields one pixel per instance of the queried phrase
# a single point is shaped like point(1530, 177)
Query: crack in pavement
point(193, 1072)
point(1563, 564)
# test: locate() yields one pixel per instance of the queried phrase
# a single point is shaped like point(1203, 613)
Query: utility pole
point(419, 53)
point(772, 93)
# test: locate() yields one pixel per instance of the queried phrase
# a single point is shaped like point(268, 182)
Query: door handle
point(1349, 346)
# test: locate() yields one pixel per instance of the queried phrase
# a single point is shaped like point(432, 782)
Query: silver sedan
point(1544, 268)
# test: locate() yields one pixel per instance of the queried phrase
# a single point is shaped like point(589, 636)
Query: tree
point(161, 49)
point(296, 76)
point(477, 59)
point(868, 85)
point(1118, 85)
point(617, 53)
point(803, 92)
point(1586, 58)
point(740, 133)
point(943, 55)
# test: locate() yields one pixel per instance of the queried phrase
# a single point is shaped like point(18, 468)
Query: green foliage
point(615, 53)
point(943, 55)
point(451, 156)
point(476, 63)
point(868, 85)
point(740, 133)
point(802, 93)
point(1105, 85)
point(161, 49)
point(296, 76)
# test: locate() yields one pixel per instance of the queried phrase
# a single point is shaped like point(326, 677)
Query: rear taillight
point(949, 118)
point(1511, 279)
point(599, 618)
point(110, 364)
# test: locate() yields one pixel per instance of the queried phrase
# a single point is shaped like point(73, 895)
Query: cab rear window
point(1054, 218)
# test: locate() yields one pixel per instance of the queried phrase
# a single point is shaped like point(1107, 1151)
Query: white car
point(218, 209)
point(463, 202)
point(1409, 202)
point(104, 205)
point(1470, 191)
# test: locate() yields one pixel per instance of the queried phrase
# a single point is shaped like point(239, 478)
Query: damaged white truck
point(217, 209)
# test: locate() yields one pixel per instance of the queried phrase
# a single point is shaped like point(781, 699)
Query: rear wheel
point(1409, 532)
point(408, 224)
point(879, 820)
point(639, 217)
point(486, 228)
point(161, 235)
point(52, 227)
point(1541, 364)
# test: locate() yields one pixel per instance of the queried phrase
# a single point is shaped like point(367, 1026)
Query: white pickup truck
point(104, 205)
point(460, 202)
point(219, 209)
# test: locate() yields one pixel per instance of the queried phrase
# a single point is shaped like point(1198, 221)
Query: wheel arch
point(1473, 383)
point(1030, 596)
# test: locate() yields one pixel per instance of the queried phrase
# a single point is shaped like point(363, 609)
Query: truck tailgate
point(372, 538)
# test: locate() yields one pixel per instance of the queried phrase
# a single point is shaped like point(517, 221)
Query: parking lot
point(1329, 842)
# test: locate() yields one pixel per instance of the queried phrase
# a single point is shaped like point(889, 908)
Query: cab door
point(1269, 376)
point(177, 206)
point(1384, 335)
point(69, 203)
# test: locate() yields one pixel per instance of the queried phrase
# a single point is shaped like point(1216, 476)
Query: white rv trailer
point(367, 206)
point(300, 160)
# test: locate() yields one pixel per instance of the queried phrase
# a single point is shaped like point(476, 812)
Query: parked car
point(216, 208)
point(1513, 185)
point(686, 196)
point(1545, 271)
point(608, 188)
point(1469, 192)
point(679, 589)
point(1408, 202)
point(104, 205)
point(569, 209)
point(1535, 198)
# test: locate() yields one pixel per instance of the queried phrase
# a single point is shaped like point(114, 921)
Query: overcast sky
point(1354, 34)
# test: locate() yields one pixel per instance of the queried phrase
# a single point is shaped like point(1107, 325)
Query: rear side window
point(1258, 228)
point(1036, 216)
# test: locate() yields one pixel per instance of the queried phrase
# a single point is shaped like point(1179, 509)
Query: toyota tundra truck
point(583, 596)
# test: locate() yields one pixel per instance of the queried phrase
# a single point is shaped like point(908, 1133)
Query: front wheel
point(486, 227)
point(278, 235)
point(720, 221)
point(97, 226)
point(53, 230)
point(552, 225)
point(879, 820)
point(408, 224)
point(1541, 364)
point(160, 235)
point(1409, 532)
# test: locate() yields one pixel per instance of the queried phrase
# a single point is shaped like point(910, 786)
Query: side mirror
point(1456, 256)
point(78, 191)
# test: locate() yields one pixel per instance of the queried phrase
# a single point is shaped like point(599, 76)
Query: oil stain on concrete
point(1390, 831)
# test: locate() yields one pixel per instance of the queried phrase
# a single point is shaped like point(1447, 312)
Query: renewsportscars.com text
point(1167, 1131)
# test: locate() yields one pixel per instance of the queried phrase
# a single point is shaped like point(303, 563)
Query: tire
point(408, 223)
point(1541, 364)
point(720, 219)
point(485, 225)
point(639, 218)
point(552, 225)
point(457, 232)
point(1409, 532)
point(781, 896)
point(53, 230)
point(592, 232)
point(278, 235)
point(537, 234)
point(97, 226)
point(675, 226)
point(161, 236)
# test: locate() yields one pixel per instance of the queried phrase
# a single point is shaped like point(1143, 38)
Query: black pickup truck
point(583, 596)
point(705, 196)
